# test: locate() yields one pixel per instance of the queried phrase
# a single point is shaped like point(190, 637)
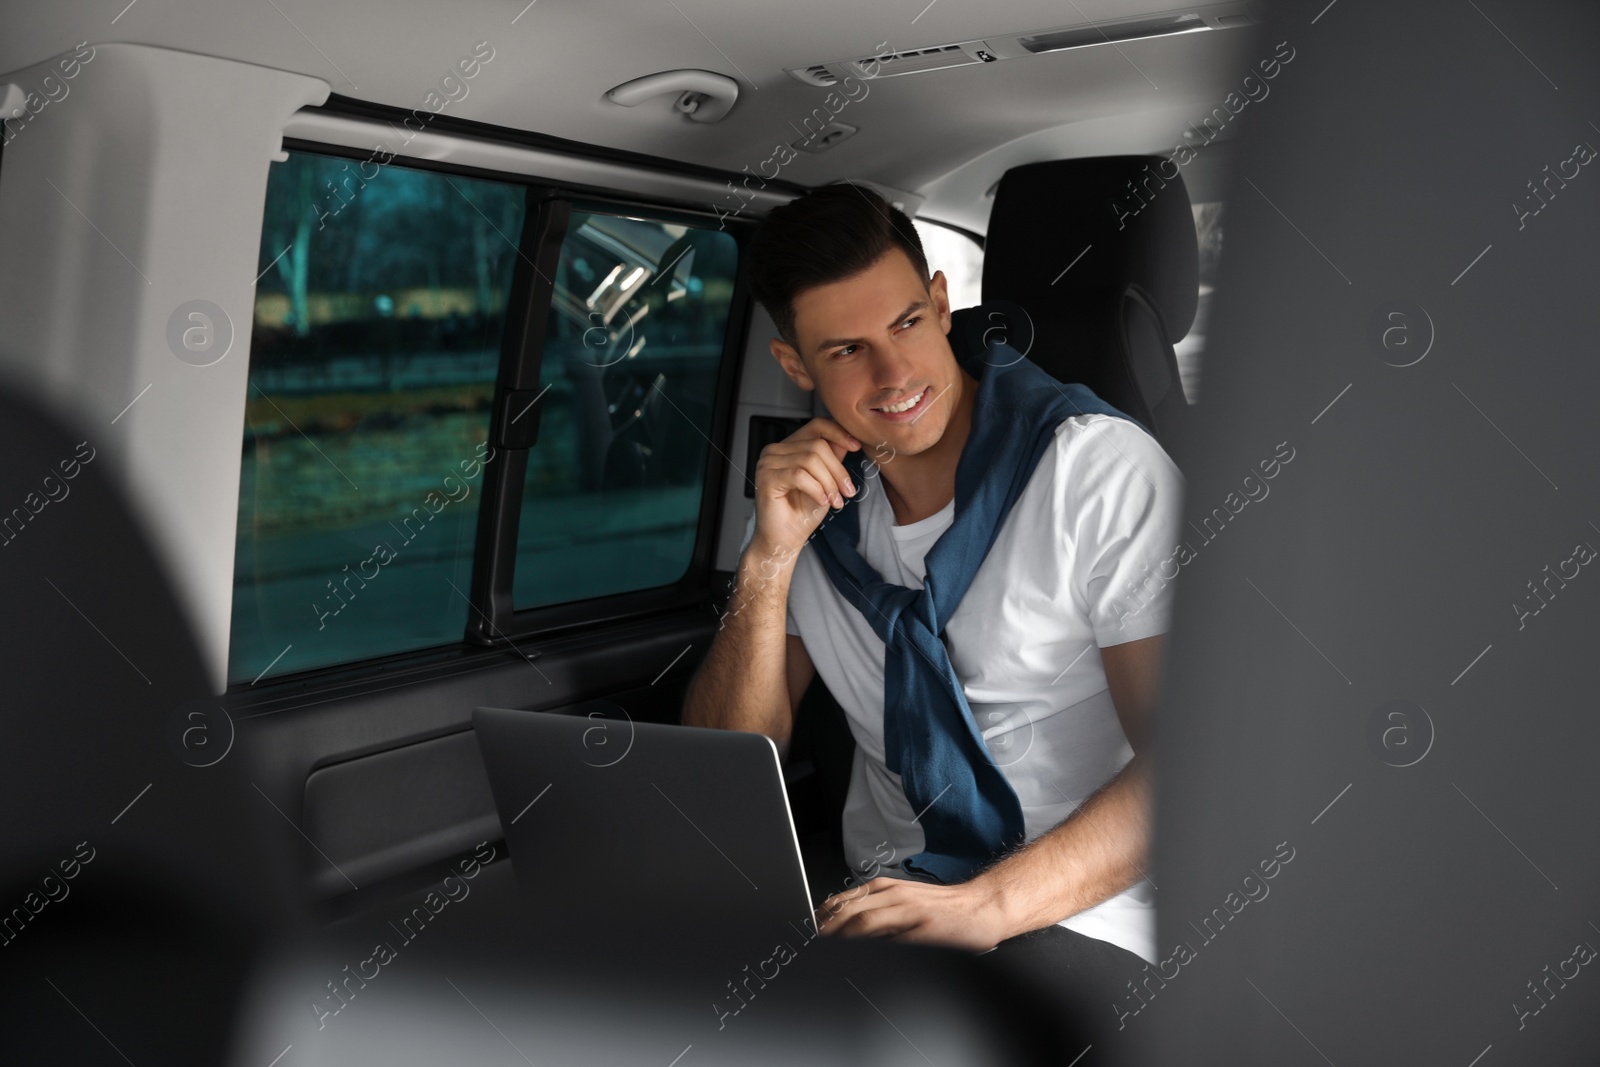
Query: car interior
point(287, 281)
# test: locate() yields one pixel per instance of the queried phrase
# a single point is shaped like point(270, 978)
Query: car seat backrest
point(1101, 256)
point(140, 869)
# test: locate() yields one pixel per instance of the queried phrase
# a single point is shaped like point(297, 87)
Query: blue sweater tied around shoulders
point(967, 809)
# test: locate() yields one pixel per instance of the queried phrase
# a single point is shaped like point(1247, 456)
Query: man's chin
point(900, 438)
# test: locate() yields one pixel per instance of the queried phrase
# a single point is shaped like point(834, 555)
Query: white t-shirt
point(1072, 570)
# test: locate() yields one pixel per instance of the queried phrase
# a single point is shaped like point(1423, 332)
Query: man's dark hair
point(825, 236)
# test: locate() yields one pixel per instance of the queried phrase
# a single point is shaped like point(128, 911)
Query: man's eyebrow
point(837, 342)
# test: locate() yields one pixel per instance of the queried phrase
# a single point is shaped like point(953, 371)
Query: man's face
point(871, 343)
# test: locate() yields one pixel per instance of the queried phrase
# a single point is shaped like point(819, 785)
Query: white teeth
point(906, 405)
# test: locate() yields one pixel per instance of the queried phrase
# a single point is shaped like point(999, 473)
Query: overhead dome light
point(826, 137)
point(1112, 32)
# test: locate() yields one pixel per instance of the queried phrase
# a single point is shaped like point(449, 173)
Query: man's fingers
point(859, 890)
point(817, 456)
point(847, 485)
point(810, 484)
point(830, 472)
point(889, 921)
point(805, 469)
point(906, 911)
point(833, 433)
point(807, 463)
point(839, 909)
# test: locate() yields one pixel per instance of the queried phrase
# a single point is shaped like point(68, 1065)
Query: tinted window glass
point(376, 341)
point(631, 356)
point(958, 256)
point(1208, 229)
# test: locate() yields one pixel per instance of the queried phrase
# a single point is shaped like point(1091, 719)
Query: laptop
point(612, 820)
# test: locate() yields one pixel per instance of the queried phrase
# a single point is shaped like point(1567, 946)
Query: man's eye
point(845, 351)
point(912, 321)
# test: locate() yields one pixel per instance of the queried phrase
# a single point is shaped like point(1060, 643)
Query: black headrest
point(976, 331)
point(1132, 215)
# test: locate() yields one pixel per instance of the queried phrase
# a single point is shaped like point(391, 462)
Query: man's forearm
point(742, 684)
point(1093, 854)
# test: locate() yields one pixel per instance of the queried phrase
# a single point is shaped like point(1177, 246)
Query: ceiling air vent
point(891, 64)
point(888, 64)
point(818, 75)
point(917, 60)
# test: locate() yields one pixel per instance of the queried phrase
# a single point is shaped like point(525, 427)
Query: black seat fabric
point(139, 873)
point(1102, 257)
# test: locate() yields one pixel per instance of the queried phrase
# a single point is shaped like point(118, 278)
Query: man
point(1054, 645)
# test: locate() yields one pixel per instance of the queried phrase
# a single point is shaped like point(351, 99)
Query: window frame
point(499, 530)
point(493, 625)
point(975, 238)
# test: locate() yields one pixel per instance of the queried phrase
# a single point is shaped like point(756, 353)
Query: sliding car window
point(373, 357)
point(631, 356)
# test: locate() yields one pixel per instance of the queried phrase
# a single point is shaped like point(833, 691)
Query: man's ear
point(789, 360)
point(939, 293)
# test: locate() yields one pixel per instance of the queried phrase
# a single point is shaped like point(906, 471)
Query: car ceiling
point(945, 135)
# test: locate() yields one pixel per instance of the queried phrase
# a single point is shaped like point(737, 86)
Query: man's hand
point(969, 915)
point(797, 480)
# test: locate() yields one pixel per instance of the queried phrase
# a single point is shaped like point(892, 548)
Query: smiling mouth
point(906, 406)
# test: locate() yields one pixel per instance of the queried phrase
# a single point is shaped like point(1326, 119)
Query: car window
point(631, 359)
point(1208, 230)
point(959, 256)
point(373, 355)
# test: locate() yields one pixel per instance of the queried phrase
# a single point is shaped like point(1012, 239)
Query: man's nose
point(892, 370)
